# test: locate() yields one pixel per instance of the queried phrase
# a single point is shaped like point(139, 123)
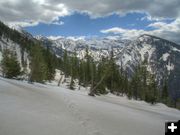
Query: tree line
point(106, 76)
point(101, 76)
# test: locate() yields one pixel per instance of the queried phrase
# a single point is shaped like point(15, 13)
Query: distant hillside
point(163, 56)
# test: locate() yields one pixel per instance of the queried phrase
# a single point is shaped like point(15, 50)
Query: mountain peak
point(17, 28)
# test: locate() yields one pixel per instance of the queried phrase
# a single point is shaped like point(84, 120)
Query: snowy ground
point(27, 109)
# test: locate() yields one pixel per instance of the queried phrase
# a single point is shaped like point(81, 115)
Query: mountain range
point(163, 56)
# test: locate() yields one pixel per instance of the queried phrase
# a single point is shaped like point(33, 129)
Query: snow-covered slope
point(21, 30)
point(38, 109)
point(22, 55)
point(162, 56)
point(163, 59)
point(98, 47)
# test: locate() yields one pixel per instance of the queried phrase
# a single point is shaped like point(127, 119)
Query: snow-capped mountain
point(17, 41)
point(21, 30)
point(98, 47)
point(163, 56)
point(22, 55)
point(163, 59)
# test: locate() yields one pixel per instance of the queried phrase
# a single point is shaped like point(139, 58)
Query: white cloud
point(22, 24)
point(125, 33)
point(75, 38)
point(54, 37)
point(169, 31)
point(13, 11)
point(114, 30)
point(31, 12)
point(155, 9)
point(58, 23)
point(157, 24)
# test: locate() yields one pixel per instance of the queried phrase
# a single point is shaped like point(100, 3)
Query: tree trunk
point(92, 91)
point(60, 80)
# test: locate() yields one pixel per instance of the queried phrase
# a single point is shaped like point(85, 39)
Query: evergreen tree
point(126, 84)
point(38, 65)
point(66, 67)
point(73, 71)
point(10, 65)
point(164, 94)
point(143, 85)
point(50, 62)
point(151, 93)
point(71, 86)
point(87, 67)
point(99, 75)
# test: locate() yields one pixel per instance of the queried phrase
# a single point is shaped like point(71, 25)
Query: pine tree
point(71, 86)
point(73, 70)
point(50, 62)
point(143, 85)
point(151, 93)
point(10, 65)
point(87, 67)
point(164, 94)
point(99, 76)
point(38, 65)
point(126, 84)
point(66, 63)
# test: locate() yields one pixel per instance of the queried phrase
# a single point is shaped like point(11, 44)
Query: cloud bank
point(32, 12)
point(49, 10)
point(169, 31)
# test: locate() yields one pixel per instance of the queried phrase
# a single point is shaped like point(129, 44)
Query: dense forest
point(102, 77)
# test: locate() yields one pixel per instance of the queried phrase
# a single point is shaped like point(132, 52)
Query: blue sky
point(125, 18)
point(81, 24)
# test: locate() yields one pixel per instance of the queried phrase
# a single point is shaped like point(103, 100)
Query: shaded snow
point(170, 66)
point(175, 49)
point(165, 56)
point(126, 59)
point(146, 49)
point(0, 63)
point(14, 47)
point(38, 109)
point(0, 56)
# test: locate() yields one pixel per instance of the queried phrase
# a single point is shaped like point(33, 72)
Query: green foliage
point(100, 76)
point(50, 61)
point(10, 65)
point(38, 65)
point(143, 85)
point(164, 95)
point(66, 66)
point(43, 61)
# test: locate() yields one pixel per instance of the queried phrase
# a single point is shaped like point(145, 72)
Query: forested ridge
point(101, 76)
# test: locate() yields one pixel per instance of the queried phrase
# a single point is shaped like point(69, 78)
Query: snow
point(141, 39)
point(76, 38)
point(11, 45)
point(165, 56)
point(126, 59)
point(147, 48)
point(144, 38)
point(170, 66)
point(175, 49)
point(53, 37)
point(16, 27)
point(0, 63)
point(31, 109)
point(98, 47)
point(0, 56)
